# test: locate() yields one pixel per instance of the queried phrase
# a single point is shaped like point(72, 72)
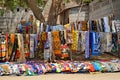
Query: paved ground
point(100, 76)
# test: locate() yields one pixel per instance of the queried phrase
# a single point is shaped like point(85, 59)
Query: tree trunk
point(54, 10)
point(36, 10)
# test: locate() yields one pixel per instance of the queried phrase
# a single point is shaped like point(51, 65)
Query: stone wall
point(99, 9)
point(73, 14)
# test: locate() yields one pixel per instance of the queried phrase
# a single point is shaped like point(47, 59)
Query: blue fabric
point(94, 41)
point(21, 28)
point(58, 27)
point(87, 53)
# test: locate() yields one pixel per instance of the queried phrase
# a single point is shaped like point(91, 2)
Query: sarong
point(56, 43)
point(75, 40)
point(87, 51)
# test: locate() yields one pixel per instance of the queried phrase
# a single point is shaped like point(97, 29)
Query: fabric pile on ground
point(33, 68)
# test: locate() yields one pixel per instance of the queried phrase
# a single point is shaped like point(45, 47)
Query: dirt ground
point(99, 76)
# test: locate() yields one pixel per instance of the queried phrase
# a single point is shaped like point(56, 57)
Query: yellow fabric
point(67, 26)
point(75, 40)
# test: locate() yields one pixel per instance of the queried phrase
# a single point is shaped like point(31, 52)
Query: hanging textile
point(79, 41)
point(64, 46)
point(82, 41)
point(84, 26)
point(104, 42)
point(21, 48)
point(32, 41)
point(68, 33)
point(114, 42)
point(14, 52)
point(38, 26)
point(57, 28)
point(35, 42)
point(56, 43)
point(94, 41)
point(93, 26)
point(106, 25)
point(3, 46)
point(113, 26)
point(87, 53)
point(72, 27)
point(62, 37)
point(41, 28)
point(48, 47)
point(100, 25)
point(41, 43)
point(100, 36)
point(80, 26)
point(75, 40)
point(27, 27)
point(21, 27)
point(11, 44)
point(27, 45)
point(7, 45)
point(109, 42)
point(67, 27)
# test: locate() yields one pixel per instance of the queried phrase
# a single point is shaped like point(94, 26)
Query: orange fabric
point(3, 54)
point(65, 55)
point(73, 27)
point(84, 26)
point(56, 42)
point(7, 46)
point(12, 38)
point(27, 51)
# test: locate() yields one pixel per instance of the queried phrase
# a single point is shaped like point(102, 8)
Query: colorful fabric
point(4, 47)
point(84, 26)
point(56, 42)
point(109, 42)
point(27, 45)
point(94, 45)
point(100, 36)
point(75, 40)
point(32, 45)
point(82, 41)
point(21, 48)
point(87, 51)
point(114, 42)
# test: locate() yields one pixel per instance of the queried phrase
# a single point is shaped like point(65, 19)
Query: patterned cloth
point(56, 43)
point(84, 26)
point(109, 42)
point(3, 46)
point(31, 45)
point(48, 47)
point(82, 41)
point(21, 48)
point(75, 40)
point(87, 51)
point(11, 45)
point(94, 45)
point(114, 42)
point(100, 36)
point(27, 44)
